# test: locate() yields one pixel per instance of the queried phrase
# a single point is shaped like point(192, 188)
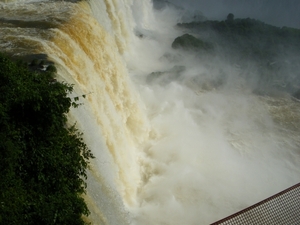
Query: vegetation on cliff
point(188, 41)
point(273, 52)
point(251, 37)
point(43, 161)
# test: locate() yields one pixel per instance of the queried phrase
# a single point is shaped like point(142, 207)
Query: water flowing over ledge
point(168, 151)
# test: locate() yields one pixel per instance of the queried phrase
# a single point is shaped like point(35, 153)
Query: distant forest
point(274, 50)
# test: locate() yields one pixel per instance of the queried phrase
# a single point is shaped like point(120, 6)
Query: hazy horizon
point(279, 13)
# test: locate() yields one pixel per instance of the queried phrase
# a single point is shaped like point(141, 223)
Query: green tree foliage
point(42, 161)
point(230, 17)
point(188, 42)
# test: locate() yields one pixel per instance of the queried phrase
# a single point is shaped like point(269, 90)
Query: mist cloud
point(213, 143)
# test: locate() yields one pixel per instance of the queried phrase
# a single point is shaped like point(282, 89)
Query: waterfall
point(89, 55)
point(168, 151)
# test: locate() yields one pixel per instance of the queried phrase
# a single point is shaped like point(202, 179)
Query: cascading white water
point(172, 151)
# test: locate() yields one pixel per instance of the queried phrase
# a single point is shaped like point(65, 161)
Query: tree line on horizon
point(274, 50)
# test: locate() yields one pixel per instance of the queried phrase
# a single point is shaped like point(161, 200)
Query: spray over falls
point(169, 151)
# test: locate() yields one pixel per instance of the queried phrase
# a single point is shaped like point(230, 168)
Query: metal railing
point(280, 209)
